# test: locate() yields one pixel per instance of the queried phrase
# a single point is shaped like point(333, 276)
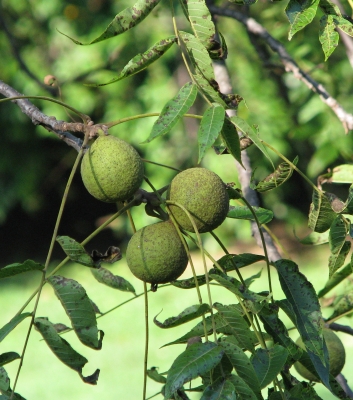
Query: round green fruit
point(156, 254)
point(111, 169)
point(336, 355)
point(203, 194)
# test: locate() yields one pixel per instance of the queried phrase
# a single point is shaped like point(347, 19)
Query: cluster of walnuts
point(112, 171)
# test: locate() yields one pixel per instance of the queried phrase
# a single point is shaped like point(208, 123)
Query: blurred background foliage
point(35, 164)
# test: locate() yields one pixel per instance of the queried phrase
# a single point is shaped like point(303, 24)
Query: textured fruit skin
point(203, 194)
point(336, 354)
point(156, 254)
point(111, 169)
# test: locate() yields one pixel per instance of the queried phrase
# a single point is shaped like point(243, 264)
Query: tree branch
point(61, 129)
point(289, 64)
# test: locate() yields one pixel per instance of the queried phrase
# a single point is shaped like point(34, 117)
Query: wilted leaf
point(300, 14)
point(19, 268)
point(104, 276)
point(142, 60)
point(187, 315)
point(173, 111)
point(210, 128)
point(7, 328)
point(196, 360)
point(78, 307)
point(241, 212)
point(124, 21)
point(112, 255)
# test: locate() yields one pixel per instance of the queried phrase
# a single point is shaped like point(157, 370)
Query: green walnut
point(336, 355)
point(203, 194)
point(156, 254)
point(111, 169)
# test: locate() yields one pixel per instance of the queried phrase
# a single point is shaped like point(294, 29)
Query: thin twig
point(289, 64)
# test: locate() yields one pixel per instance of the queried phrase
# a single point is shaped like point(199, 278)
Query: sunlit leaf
point(210, 90)
point(231, 139)
point(239, 328)
point(125, 20)
point(328, 7)
point(8, 357)
point(19, 268)
point(78, 307)
point(200, 20)
point(321, 214)
point(242, 365)
point(335, 279)
point(268, 363)
point(281, 174)
point(248, 131)
point(7, 328)
point(303, 299)
point(344, 25)
point(241, 212)
point(60, 347)
point(196, 360)
point(328, 36)
point(142, 60)
point(173, 111)
point(342, 174)
point(104, 276)
point(300, 14)
point(210, 128)
point(76, 251)
point(187, 315)
point(343, 305)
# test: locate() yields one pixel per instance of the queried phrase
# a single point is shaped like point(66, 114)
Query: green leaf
point(303, 299)
point(221, 389)
point(79, 308)
point(8, 357)
point(342, 174)
point(242, 365)
point(156, 376)
point(321, 214)
point(196, 360)
point(210, 91)
point(269, 363)
point(249, 132)
point(230, 262)
point(343, 304)
point(241, 212)
point(239, 328)
point(315, 238)
point(242, 388)
point(337, 260)
point(199, 56)
point(189, 283)
point(282, 173)
point(142, 60)
point(210, 128)
point(18, 268)
point(339, 248)
point(4, 380)
point(344, 25)
point(335, 279)
point(329, 8)
point(303, 392)
point(7, 328)
point(173, 111)
point(187, 315)
point(76, 252)
point(104, 276)
point(231, 139)
point(125, 20)
point(328, 35)
point(300, 13)
point(60, 347)
point(200, 20)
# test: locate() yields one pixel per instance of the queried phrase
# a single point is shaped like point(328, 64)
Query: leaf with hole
point(187, 315)
point(173, 111)
point(125, 20)
point(104, 276)
point(19, 268)
point(60, 347)
point(142, 60)
point(242, 212)
point(210, 128)
point(196, 360)
point(79, 308)
point(300, 293)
